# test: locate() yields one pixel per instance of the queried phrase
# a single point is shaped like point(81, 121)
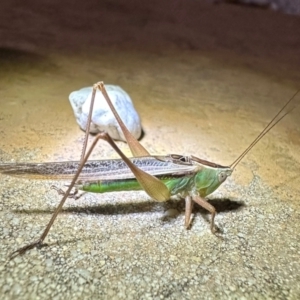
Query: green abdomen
point(111, 186)
point(174, 184)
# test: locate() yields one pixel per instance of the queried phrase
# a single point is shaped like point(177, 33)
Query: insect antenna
point(278, 117)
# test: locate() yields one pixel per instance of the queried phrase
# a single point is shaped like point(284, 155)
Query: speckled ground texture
point(205, 79)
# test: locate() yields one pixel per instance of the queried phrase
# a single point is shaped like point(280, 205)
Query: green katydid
point(160, 177)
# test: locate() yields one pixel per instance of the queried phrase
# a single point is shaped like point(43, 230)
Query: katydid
point(160, 177)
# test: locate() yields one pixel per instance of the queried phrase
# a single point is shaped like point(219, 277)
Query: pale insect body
point(159, 176)
point(181, 174)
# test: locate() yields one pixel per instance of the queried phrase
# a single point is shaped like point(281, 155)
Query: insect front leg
point(203, 203)
point(188, 211)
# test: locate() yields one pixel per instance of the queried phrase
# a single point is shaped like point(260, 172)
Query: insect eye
point(222, 177)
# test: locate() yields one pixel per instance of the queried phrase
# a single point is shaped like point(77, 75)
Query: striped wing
point(98, 169)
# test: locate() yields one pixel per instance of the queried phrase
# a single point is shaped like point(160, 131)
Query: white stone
point(102, 117)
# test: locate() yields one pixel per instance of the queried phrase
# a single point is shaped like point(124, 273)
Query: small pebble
point(102, 117)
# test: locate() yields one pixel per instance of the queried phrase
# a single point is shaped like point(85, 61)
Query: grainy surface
point(205, 80)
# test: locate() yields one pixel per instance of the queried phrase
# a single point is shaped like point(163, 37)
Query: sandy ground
point(205, 80)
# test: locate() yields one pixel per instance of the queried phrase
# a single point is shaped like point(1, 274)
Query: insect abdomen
point(174, 184)
point(110, 186)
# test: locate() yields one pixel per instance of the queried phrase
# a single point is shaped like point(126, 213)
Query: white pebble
point(102, 117)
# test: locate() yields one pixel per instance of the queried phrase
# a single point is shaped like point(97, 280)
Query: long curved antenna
point(270, 125)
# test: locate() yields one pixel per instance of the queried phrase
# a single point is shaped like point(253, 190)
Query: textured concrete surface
point(205, 80)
